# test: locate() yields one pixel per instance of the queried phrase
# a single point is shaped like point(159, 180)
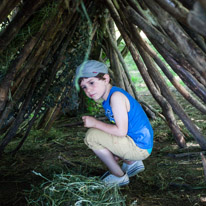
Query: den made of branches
point(42, 42)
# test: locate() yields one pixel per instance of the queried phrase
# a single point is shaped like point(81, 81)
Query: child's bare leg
point(109, 160)
point(129, 162)
point(116, 158)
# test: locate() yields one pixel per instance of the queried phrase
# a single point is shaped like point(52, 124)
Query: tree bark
point(20, 19)
point(114, 61)
point(192, 52)
point(138, 40)
point(129, 84)
point(12, 131)
point(33, 64)
point(158, 43)
point(156, 36)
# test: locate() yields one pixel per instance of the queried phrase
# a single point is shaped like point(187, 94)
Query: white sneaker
point(105, 175)
point(134, 168)
point(114, 180)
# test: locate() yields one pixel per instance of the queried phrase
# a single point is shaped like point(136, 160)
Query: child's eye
point(83, 88)
point(91, 83)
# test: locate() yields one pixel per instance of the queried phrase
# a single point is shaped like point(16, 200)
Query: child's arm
point(120, 107)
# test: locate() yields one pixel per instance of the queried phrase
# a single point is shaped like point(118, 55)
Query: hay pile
point(78, 190)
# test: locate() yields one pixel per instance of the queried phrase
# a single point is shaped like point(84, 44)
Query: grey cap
point(90, 68)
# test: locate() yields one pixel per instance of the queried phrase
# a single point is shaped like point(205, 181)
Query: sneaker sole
point(134, 171)
point(123, 183)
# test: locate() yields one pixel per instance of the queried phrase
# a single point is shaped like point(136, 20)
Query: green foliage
point(134, 79)
point(68, 189)
point(30, 29)
point(43, 136)
point(93, 107)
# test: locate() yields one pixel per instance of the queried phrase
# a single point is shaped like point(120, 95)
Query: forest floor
point(168, 180)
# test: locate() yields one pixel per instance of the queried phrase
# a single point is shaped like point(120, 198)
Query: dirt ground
point(168, 179)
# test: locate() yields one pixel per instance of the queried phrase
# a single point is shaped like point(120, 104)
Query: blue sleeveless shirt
point(139, 127)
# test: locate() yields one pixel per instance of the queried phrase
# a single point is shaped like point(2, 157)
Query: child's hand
point(89, 121)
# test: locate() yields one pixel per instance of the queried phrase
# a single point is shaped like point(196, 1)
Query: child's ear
point(107, 78)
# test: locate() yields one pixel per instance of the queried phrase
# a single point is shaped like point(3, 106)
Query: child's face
point(95, 88)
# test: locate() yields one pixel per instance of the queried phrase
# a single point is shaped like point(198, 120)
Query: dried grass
point(68, 189)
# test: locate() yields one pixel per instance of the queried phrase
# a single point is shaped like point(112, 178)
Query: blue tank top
point(139, 127)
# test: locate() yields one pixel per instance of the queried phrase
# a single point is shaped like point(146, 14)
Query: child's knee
point(90, 136)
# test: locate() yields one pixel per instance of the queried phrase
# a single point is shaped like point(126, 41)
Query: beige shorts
point(123, 147)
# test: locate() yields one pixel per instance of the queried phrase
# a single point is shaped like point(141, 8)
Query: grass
point(71, 189)
point(38, 176)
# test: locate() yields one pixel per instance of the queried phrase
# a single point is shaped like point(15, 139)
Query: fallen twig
point(188, 154)
point(185, 186)
point(66, 161)
point(79, 123)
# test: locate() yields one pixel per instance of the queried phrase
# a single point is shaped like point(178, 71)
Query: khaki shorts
point(123, 147)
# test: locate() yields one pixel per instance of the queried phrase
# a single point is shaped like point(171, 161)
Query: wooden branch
point(197, 18)
point(165, 106)
point(155, 74)
point(12, 131)
point(56, 66)
point(130, 85)
point(198, 39)
point(179, 111)
point(14, 67)
point(152, 33)
point(156, 37)
point(186, 186)
point(192, 52)
point(114, 61)
point(34, 62)
point(186, 3)
point(138, 40)
point(80, 123)
point(178, 11)
point(20, 19)
point(166, 93)
point(203, 163)
point(188, 154)
point(186, 77)
point(203, 4)
point(66, 161)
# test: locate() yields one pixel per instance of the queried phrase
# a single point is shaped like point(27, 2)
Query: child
point(129, 138)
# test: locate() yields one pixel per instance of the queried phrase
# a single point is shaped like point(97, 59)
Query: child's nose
point(88, 89)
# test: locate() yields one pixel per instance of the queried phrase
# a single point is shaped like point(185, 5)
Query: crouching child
point(129, 137)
